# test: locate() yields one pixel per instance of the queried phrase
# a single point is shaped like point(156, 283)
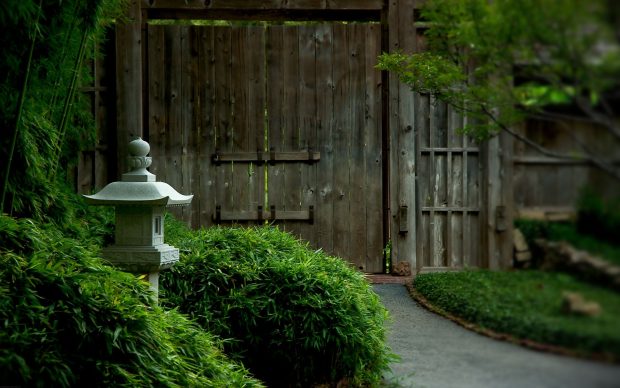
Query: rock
point(522, 257)
point(575, 304)
point(519, 241)
point(564, 257)
point(401, 269)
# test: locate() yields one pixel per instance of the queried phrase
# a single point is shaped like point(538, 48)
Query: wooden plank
point(266, 157)
point(190, 179)
point(129, 120)
point(393, 45)
point(423, 198)
point(406, 140)
point(264, 4)
point(455, 259)
point(545, 160)
point(324, 236)
point(341, 140)
point(196, 126)
point(291, 125)
point(307, 121)
point(157, 114)
point(373, 157)
point(449, 209)
point(207, 143)
point(505, 237)
point(264, 215)
point(275, 95)
point(255, 67)
point(242, 182)
point(223, 113)
point(357, 162)
point(444, 150)
point(438, 239)
point(280, 15)
point(175, 41)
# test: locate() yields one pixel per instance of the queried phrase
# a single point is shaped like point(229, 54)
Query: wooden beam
point(266, 157)
point(128, 82)
point(263, 4)
point(263, 14)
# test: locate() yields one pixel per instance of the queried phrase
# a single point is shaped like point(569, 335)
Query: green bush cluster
point(67, 320)
point(295, 317)
point(563, 231)
point(598, 218)
point(527, 305)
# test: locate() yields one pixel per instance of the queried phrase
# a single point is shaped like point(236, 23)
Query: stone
point(522, 257)
point(574, 303)
point(401, 269)
point(519, 241)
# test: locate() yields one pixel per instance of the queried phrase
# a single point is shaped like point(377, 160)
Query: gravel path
point(436, 352)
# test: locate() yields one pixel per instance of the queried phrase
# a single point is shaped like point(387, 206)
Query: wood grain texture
point(324, 58)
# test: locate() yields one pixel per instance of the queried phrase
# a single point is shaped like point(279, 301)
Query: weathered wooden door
point(448, 182)
point(278, 124)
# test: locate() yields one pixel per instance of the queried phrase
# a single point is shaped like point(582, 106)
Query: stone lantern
point(140, 202)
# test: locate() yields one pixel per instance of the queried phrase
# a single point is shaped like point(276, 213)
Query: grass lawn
point(527, 305)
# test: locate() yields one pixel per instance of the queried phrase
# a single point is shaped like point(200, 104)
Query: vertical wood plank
point(242, 179)
point(189, 178)
point(325, 104)
point(404, 19)
point(423, 169)
point(291, 124)
point(223, 114)
point(174, 128)
point(157, 96)
point(307, 123)
point(255, 67)
point(341, 139)
point(373, 157)
point(275, 106)
point(393, 98)
point(207, 143)
point(357, 165)
point(128, 83)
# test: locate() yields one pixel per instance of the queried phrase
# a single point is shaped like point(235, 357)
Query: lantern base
point(141, 259)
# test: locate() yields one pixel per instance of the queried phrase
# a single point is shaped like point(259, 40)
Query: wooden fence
point(293, 124)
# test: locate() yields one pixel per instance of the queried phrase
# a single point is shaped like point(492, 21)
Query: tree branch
point(601, 164)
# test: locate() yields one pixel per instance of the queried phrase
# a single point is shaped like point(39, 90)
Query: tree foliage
point(501, 61)
point(44, 120)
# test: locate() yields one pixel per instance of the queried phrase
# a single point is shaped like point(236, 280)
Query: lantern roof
point(138, 187)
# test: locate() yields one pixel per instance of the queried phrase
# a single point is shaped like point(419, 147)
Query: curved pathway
point(436, 352)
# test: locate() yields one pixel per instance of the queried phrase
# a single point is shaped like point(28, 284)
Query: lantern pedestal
point(140, 202)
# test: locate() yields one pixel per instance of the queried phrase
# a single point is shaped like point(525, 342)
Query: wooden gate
point(278, 124)
point(294, 125)
point(448, 189)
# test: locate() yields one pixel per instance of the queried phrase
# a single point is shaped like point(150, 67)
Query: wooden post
point(128, 82)
point(497, 211)
point(402, 136)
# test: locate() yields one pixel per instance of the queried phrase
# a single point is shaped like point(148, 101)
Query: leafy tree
point(504, 60)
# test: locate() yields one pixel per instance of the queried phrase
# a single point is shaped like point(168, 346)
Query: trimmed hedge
point(527, 305)
point(293, 316)
point(598, 217)
point(67, 320)
point(558, 231)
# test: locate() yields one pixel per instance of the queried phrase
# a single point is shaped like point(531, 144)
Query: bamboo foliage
point(44, 46)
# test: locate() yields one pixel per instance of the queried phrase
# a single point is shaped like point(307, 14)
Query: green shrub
point(561, 231)
point(598, 217)
point(295, 317)
point(527, 305)
point(67, 320)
